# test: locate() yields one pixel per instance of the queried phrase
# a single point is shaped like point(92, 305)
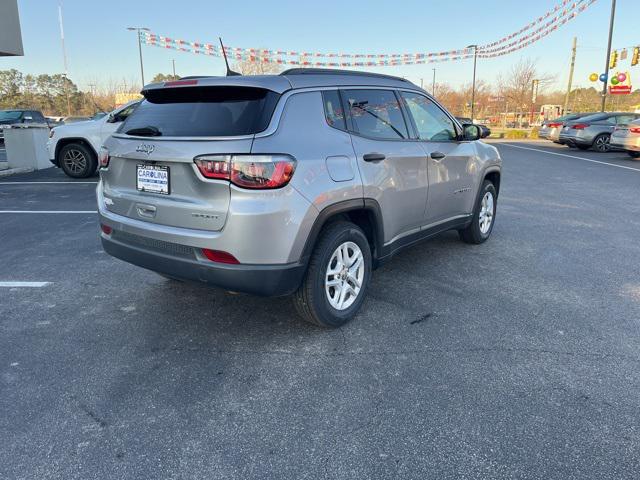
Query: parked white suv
point(74, 147)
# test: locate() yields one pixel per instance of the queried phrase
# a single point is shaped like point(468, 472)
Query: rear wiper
point(148, 131)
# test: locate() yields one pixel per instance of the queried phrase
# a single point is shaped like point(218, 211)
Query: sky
point(101, 50)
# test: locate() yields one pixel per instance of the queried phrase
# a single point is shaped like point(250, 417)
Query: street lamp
point(138, 30)
point(473, 87)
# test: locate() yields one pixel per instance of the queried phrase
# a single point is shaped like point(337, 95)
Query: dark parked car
point(16, 116)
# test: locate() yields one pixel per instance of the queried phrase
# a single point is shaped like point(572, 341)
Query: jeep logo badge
point(144, 148)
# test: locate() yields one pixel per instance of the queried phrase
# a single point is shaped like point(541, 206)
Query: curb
point(13, 171)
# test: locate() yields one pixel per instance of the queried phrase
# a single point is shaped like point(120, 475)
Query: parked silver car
point(627, 137)
point(550, 129)
point(594, 130)
point(299, 183)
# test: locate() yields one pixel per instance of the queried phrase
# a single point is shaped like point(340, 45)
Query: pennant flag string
point(548, 23)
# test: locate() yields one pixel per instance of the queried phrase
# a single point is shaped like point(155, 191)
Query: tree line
point(510, 95)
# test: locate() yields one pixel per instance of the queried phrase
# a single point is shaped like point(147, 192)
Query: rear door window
point(202, 112)
point(376, 114)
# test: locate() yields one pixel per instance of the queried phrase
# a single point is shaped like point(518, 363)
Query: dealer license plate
point(153, 179)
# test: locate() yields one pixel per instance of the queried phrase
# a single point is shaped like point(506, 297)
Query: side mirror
point(111, 118)
point(471, 132)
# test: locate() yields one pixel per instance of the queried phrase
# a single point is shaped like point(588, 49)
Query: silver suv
point(300, 183)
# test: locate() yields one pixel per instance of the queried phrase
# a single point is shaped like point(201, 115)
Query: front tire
point(77, 160)
point(484, 214)
point(338, 276)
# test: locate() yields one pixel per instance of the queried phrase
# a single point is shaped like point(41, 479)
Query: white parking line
point(571, 156)
point(47, 183)
point(48, 211)
point(23, 284)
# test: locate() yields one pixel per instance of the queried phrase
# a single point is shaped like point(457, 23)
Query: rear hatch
point(151, 175)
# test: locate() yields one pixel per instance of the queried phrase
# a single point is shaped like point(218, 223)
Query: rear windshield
point(202, 112)
point(593, 118)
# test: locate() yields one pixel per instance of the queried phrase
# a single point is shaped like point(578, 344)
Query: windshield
point(202, 112)
point(10, 115)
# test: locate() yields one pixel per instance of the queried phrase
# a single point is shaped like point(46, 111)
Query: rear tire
point(343, 249)
point(484, 215)
point(77, 160)
point(601, 143)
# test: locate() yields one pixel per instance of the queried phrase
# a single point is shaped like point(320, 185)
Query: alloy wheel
point(602, 143)
point(344, 276)
point(486, 213)
point(74, 161)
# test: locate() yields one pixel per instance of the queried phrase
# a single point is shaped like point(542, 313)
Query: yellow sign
point(122, 98)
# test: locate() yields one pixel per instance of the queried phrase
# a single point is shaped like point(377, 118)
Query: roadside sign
point(619, 89)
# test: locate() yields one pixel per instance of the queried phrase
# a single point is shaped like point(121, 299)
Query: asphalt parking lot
point(518, 358)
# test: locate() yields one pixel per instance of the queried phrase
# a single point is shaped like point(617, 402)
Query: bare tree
point(259, 67)
point(517, 87)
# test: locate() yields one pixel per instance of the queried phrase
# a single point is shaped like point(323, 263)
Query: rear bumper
point(575, 141)
point(266, 280)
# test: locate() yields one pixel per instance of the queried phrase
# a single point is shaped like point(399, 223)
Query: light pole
point(473, 87)
point(433, 85)
point(138, 30)
point(606, 67)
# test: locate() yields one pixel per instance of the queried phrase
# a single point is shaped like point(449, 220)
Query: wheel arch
point(493, 175)
point(365, 213)
point(63, 142)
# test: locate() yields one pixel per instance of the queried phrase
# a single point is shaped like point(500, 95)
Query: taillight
point(554, 125)
point(248, 171)
point(219, 256)
point(106, 229)
point(214, 166)
point(634, 129)
point(580, 126)
point(103, 157)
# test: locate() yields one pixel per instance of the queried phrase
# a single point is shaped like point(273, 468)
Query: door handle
point(373, 157)
point(437, 155)
point(148, 211)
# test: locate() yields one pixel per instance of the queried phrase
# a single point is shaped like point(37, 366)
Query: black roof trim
point(335, 71)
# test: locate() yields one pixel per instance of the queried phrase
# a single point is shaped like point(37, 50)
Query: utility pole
point(173, 62)
point(138, 30)
point(421, 83)
point(573, 64)
point(606, 67)
point(64, 56)
point(433, 86)
point(473, 87)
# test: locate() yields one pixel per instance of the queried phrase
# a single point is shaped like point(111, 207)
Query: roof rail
point(335, 71)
